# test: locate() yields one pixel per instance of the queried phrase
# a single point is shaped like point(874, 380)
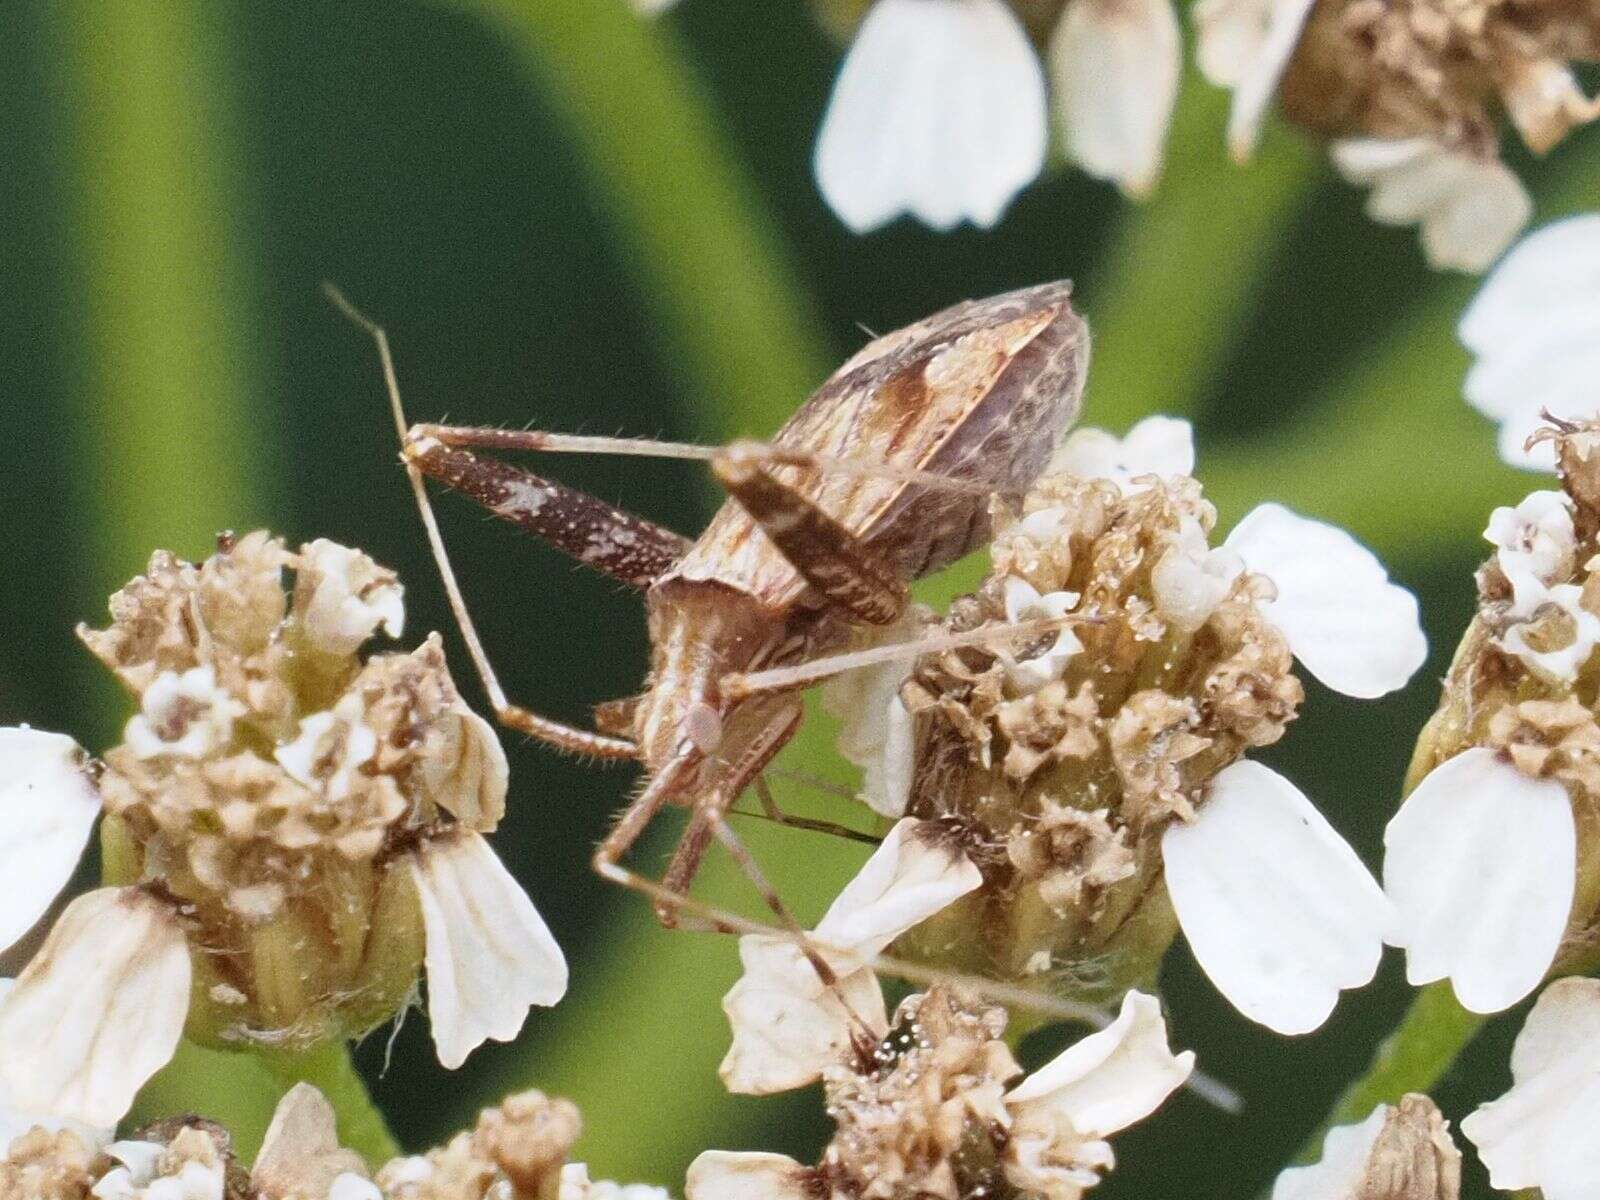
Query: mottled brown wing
point(981, 392)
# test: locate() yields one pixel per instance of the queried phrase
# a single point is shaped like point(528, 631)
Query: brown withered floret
point(1442, 68)
point(516, 1151)
point(48, 1166)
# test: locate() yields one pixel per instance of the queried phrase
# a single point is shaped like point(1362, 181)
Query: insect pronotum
point(883, 475)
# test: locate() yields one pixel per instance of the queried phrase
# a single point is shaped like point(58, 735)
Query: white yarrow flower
point(1469, 208)
point(183, 716)
point(1481, 865)
point(489, 957)
point(1534, 545)
point(1158, 445)
point(1279, 911)
point(787, 1025)
point(348, 597)
point(1563, 602)
point(48, 805)
point(1115, 65)
point(1534, 329)
point(1245, 45)
point(1024, 603)
point(939, 112)
point(1541, 1134)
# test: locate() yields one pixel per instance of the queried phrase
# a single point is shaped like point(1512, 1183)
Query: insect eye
point(703, 727)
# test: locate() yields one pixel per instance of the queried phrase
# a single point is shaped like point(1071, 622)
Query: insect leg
point(555, 733)
point(739, 685)
point(769, 805)
point(832, 559)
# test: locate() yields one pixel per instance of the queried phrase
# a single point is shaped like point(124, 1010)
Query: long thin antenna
point(581, 741)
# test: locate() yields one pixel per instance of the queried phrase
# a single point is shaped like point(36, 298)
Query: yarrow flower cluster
point(517, 1151)
point(942, 108)
point(938, 1107)
point(1096, 778)
point(290, 834)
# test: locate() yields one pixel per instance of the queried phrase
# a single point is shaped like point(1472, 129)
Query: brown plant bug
point(885, 474)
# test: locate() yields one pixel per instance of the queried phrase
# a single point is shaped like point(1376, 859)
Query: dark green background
point(176, 179)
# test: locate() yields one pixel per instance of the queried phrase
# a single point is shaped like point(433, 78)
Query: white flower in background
point(1541, 1134)
point(1115, 66)
point(651, 8)
point(1469, 208)
point(1398, 1151)
point(1158, 445)
point(788, 1026)
point(1245, 45)
point(48, 806)
point(1534, 330)
point(1054, 1122)
point(941, 111)
point(1481, 865)
point(938, 111)
point(1023, 604)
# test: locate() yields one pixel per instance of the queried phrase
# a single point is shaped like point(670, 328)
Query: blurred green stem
point(687, 215)
point(1414, 1057)
point(171, 422)
point(1173, 291)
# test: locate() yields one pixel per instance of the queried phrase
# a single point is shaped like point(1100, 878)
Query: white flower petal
point(1024, 603)
point(1115, 65)
point(1112, 1078)
point(1277, 908)
point(14, 1121)
point(98, 1010)
point(350, 1186)
point(183, 716)
point(908, 878)
point(1526, 1137)
point(342, 597)
point(788, 1027)
point(1553, 663)
point(1155, 446)
point(1342, 1167)
point(1470, 209)
point(749, 1175)
point(1191, 579)
point(875, 730)
point(47, 808)
point(1247, 44)
point(142, 1159)
point(1535, 539)
point(1353, 629)
point(1480, 863)
point(489, 956)
point(1535, 329)
point(938, 111)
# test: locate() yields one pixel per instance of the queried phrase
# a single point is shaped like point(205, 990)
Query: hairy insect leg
point(552, 732)
point(833, 560)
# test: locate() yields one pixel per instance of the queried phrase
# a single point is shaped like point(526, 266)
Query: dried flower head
point(1400, 1152)
point(1413, 94)
point(1097, 771)
point(1492, 860)
point(934, 1109)
point(290, 830)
